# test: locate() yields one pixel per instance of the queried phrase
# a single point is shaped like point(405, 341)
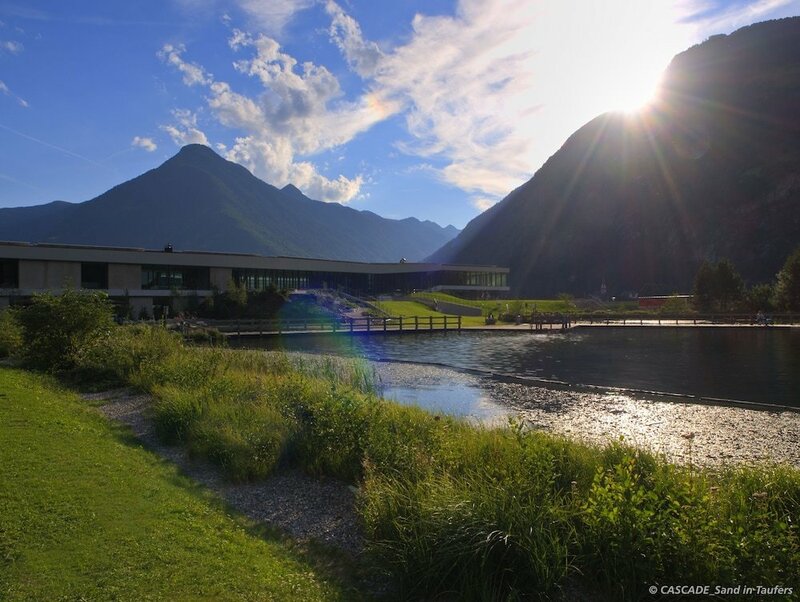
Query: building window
point(94, 275)
point(9, 273)
point(166, 277)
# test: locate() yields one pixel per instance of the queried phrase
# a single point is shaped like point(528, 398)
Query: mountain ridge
point(198, 200)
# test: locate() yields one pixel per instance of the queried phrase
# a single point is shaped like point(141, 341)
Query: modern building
point(146, 278)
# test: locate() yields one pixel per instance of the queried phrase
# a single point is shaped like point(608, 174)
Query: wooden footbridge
point(355, 326)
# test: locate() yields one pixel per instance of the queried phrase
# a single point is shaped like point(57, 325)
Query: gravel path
point(307, 508)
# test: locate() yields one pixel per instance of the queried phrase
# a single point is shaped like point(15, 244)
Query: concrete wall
point(139, 303)
point(122, 276)
point(49, 274)
point(220, 277)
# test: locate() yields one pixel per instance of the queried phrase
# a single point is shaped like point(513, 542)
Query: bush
point(56, 328)
point(10, 334)
point(118, 356)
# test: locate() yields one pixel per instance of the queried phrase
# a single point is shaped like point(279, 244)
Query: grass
point(409, 309)
point(497, 306)
point(87, 514)
point(451, 509)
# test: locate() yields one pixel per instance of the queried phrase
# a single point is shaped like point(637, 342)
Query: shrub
point(117, 355)
point(10, 334)
point(56, 327)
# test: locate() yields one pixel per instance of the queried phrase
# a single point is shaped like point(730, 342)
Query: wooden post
point(459, 323)
point(384, 324)
point(401, 323)
point(416, 322)
point(444, 321)
point(430, 322)
point(369, 323)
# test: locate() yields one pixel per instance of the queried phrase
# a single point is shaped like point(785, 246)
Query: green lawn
point(409, 309)
point(497, 306)
point(87, 514)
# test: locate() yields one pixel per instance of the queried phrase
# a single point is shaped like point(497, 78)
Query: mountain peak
point(292, 190)
point(199, 150)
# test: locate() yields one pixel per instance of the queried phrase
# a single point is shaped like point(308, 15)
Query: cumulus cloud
point(11, 46)
point(300, 112)
point(184, 130)
point(146, 143)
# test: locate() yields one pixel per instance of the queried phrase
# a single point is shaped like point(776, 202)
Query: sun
point(635, 93)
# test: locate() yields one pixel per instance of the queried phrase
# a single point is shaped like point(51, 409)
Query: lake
point(746, 364)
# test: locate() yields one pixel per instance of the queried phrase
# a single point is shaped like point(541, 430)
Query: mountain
point(197, 200)
point(710, 170)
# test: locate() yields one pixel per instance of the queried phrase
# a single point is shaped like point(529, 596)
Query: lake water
point(746, 364)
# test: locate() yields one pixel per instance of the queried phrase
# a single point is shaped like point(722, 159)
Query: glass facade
point(365, 283)
point(94, 275)
point(166, 277)
point(9, 273)
point(259, 280)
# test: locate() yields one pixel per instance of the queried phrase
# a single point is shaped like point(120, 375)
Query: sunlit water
point(757, 365)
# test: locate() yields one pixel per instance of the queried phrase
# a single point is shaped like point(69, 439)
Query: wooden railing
point(345, 325)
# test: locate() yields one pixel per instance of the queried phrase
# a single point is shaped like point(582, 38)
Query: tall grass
point(456, 510)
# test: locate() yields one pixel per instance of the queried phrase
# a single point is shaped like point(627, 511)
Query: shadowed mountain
point(198, 200)
point(711, 170)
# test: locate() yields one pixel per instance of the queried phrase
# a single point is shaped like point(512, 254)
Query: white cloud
point(300, 112)
point(482, 203)
point(6, 91)
point(363, 56)
point(735, 15)
point(192, 74)
point(185, 130)
point(11, 46)
point(146, 143)
point(273, 15)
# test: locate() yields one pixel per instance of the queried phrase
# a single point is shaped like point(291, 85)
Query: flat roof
point(131, 255)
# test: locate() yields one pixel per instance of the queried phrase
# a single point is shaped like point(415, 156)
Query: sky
point(435, 109)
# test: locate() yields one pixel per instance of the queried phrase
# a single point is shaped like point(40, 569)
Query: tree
point(717, 286)
point(729, 285)
point(704, 287)
point(787, 289)
point(759, 298)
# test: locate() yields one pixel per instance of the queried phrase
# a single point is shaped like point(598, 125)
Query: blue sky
point(432, 109)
